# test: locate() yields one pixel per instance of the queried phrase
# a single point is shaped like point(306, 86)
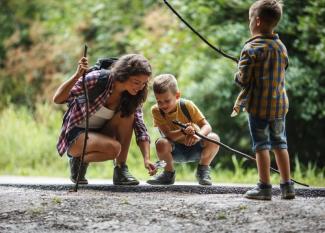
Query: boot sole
point(126, 183)
point(160, 183)
point(260, 198)
point(205, 184)
point(80, 181)
point(289, 197)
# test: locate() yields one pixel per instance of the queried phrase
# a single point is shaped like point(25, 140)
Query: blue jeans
point(267, 134)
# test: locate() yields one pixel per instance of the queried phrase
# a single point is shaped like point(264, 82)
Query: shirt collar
point(269, 36)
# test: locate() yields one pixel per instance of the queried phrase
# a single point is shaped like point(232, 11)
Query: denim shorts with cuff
point(267, 134)
point(74, 134)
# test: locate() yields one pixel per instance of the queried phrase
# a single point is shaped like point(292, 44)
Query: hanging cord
point(84, 86)
point(183, 126)
point(199, 35)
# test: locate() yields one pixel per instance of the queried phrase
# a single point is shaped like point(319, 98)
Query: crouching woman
point(115, 110)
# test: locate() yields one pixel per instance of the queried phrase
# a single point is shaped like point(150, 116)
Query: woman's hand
point(151, 167)
point(82, 67)
point(62, 93)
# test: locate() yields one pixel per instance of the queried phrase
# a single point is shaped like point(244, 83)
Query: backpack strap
point(184, 109)
point(100, 85)
point(97, 89)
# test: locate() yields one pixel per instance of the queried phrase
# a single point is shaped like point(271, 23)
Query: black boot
point(122, 176)
point(203, 175)
point(165, 178)
point(74, 166)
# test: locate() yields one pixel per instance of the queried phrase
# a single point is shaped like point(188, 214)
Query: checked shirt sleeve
point(245, 67)
point(243, 78)
point(91, 80)
point(140, 128)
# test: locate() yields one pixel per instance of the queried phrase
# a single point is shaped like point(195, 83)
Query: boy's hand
point(189, 130)
point(151, 167)
point(190, 140)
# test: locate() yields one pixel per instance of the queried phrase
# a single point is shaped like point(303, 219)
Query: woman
point(114, 112)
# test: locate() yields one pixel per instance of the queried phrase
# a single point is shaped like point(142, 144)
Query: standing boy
point(261, 74)
point(180, 145)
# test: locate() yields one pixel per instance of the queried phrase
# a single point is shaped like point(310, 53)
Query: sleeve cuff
point(143, 138)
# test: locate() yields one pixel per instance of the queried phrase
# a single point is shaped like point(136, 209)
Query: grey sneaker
point(260, 192)
point(203, 175)
point(74, 167)
point(165, 178)
point(287, 190)
point(122, 176)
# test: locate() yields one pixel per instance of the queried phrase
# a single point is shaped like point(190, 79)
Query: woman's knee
point(163, 146)
point(113, 148)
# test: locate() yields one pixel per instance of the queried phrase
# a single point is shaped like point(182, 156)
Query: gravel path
point(35, 210)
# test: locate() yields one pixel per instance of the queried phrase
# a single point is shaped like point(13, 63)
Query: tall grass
point(28, 142)
point(28, 147)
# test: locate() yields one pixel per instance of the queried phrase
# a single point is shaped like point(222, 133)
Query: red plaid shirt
point(76, 112)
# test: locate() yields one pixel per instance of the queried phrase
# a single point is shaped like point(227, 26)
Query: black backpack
point(104, 65)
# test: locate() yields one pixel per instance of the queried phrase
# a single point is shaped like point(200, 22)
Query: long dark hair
point(126, 66)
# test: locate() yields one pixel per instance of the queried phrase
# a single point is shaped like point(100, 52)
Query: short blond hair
point(165, 82)
point(269, 11)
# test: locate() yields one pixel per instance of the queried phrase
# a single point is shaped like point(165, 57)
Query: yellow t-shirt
point(193, 110)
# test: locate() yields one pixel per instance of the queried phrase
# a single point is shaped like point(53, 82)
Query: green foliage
point(28, 141)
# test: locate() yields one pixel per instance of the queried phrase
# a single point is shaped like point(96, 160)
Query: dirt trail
point(30, 210)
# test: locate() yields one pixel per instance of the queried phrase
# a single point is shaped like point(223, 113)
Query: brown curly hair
point(126, 66)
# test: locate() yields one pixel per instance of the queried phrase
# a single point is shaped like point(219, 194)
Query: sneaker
point(203, 175)
point(165, 178)
point(122, 176)
point(260, 192)
point(74, 167)
point(287, 190)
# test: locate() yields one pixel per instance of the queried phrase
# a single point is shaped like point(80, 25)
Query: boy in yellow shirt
point(180, 145)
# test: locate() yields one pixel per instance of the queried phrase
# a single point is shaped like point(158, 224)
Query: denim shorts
point(267, 134)
point(74, 134)
point(182, 153)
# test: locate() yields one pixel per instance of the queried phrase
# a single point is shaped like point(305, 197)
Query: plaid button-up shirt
point(261, 74)
point(76, 112)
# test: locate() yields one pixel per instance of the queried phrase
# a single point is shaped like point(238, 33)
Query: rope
point(218, 50)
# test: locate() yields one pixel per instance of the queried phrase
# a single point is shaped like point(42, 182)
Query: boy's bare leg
point(282, 160)
point(263, 165)
point(164, 152)
point(210, 150)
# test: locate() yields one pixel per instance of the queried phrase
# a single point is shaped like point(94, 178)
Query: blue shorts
point(74, 134)
point(267, 134)
point(182, 153)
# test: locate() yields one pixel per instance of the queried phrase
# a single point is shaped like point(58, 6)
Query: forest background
point(41, 42)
